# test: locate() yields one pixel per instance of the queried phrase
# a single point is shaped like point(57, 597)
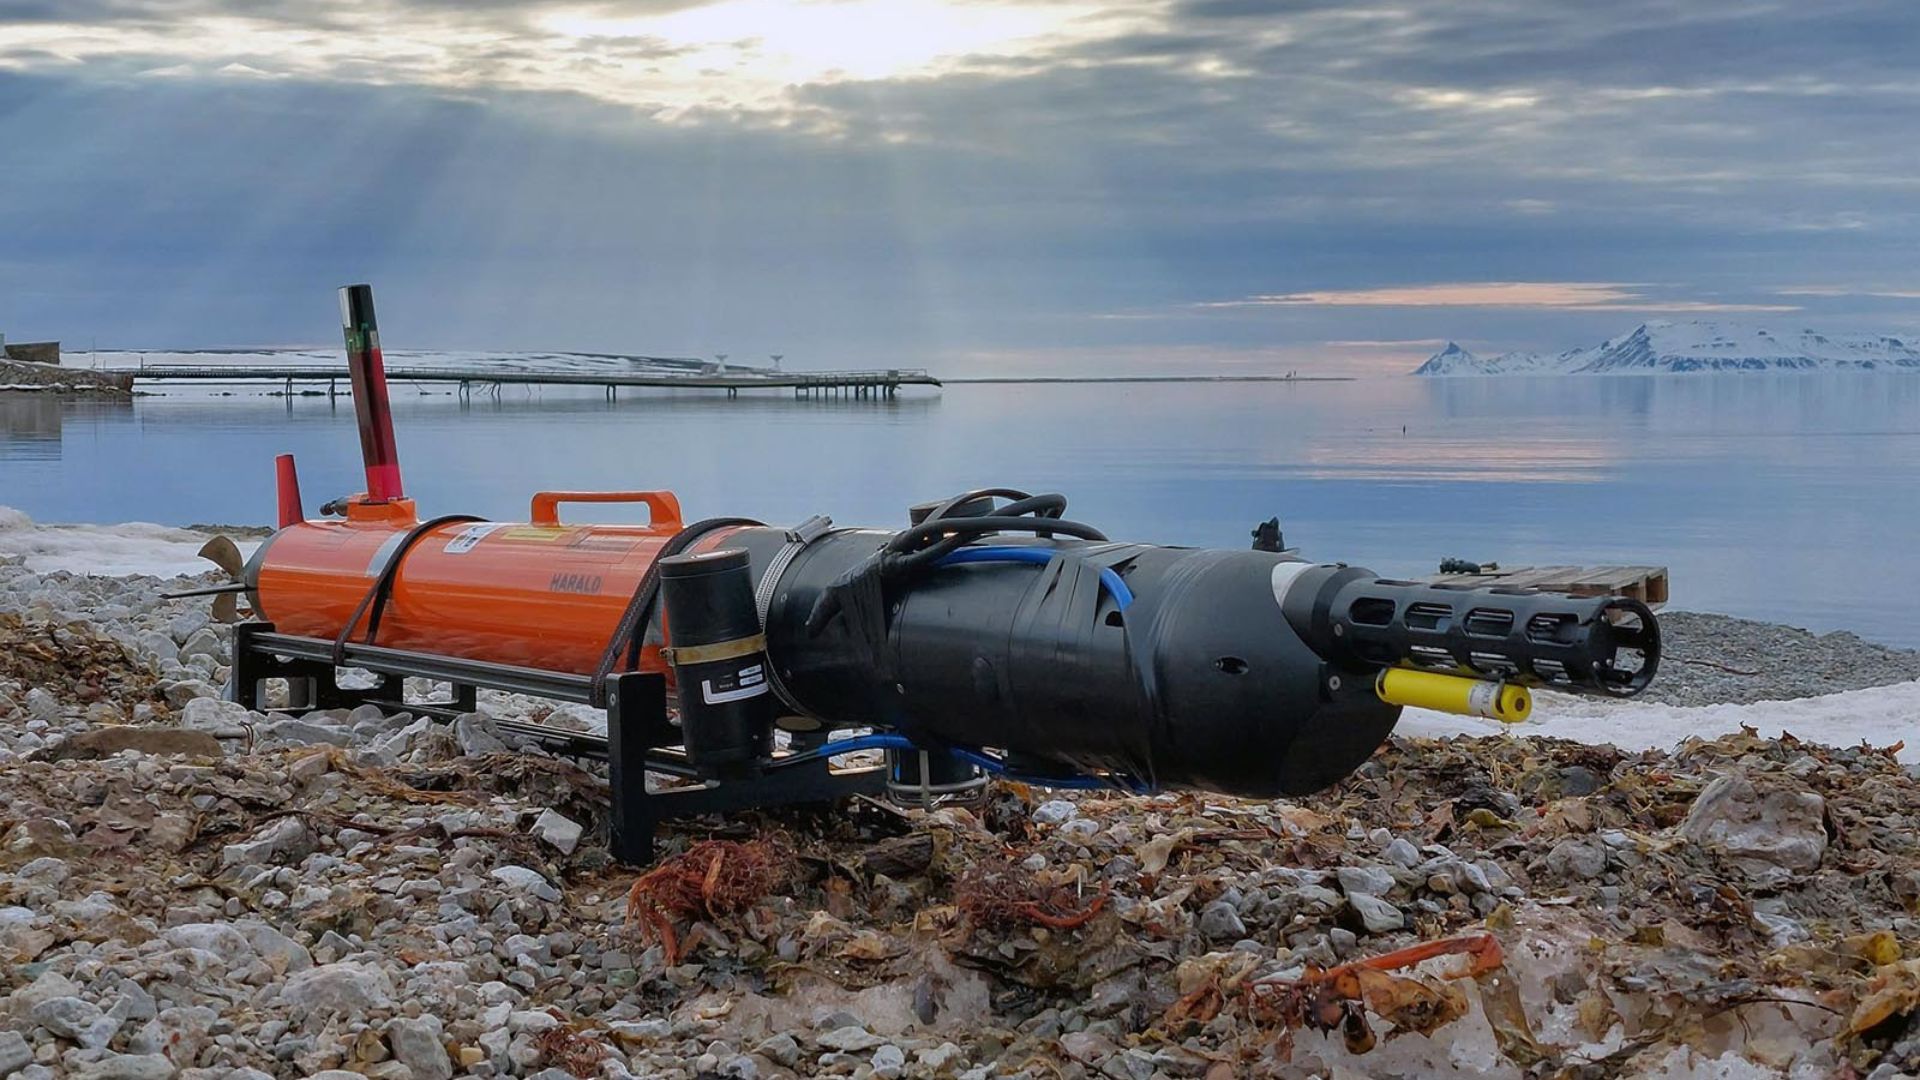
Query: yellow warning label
point(545, 534)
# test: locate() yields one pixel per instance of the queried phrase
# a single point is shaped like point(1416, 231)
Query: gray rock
point(15, 1054)
point(338, 987)
point(527, 881)
point(476, 734)
point(941, 1058)
point(1219, 921)
point(558, 830)
point(229, 945)
point(203, 642)
point(1578, 780)
point(889, 1061)
point(291, 732)
point(185, 624)
point(1369, 880)
point(1375, 915)
point(783, 1049)
point(135, 1003)
point(287, 840)
point(1055, 812)
point(400, 743)
point(1582, 859)
point(156, 644)
point(1763, 832)
point(43, 706)
point(47, 868)
point(129, 1067)
point(416, 1044)
point(280, 951)
point(185, 690)
point(851, 1038)
point(1085, 1046)
point(1401, 852)
point(71, 1018)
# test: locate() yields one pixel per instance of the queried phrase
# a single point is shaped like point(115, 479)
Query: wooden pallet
point(1647, 584)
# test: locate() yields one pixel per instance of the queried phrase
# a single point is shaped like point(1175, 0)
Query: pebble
point(128, 1067)
point(558, 830)
point(525, 880)
point(1401, 852)
point(1219, 921)
point(1370, 880)
point(851, 1039)
point(1580, 859)
point(416, 1044)
point(888, 1062)
point(15, 1054)
point(1055, 812)
point(1377, 916)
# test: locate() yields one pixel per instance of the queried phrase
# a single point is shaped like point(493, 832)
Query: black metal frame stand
point(641, 737)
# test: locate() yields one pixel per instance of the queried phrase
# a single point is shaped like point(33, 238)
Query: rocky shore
point(51, 378)
point(191, 890)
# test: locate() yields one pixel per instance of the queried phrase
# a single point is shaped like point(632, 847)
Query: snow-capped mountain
point(1690, 347)
point(1455, 360)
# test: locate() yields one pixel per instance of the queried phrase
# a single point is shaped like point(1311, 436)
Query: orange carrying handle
point(663, 507)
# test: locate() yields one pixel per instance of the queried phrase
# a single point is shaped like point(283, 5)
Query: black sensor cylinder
point(719, 659)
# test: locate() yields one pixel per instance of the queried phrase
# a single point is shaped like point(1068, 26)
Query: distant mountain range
point(1693, 347)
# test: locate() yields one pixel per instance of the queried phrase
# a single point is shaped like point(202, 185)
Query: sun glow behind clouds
point(763, 46)
point(744, 55)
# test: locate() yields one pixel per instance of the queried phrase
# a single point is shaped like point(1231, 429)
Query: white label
point(750, 682)
point(466, 539)
point(1484, 699)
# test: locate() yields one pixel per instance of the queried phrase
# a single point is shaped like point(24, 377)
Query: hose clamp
point(719, 650)
point(798, 538)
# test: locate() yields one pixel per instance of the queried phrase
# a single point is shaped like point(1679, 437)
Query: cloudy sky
point(989, 185)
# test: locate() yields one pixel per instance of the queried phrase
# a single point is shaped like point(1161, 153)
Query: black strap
point(377, 596)
point(628, 634)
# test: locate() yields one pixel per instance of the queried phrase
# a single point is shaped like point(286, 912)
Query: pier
point(852, 384)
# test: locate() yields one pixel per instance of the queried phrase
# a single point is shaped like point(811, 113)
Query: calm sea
point(1788, 497)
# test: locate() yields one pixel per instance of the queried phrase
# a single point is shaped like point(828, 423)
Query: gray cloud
point(1237, 148)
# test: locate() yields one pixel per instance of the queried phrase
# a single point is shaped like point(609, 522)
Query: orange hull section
point(539, 594)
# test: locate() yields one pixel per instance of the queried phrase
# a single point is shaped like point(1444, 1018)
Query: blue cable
point(978, 758)
point(1109, 577)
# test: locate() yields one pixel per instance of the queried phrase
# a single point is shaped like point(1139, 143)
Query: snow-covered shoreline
point(123, 550)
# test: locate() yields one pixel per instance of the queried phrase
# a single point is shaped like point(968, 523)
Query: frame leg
point(636, 707)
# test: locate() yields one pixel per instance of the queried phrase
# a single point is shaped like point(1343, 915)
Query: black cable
point(377, 596)
point(948, 506)
point(628, 633)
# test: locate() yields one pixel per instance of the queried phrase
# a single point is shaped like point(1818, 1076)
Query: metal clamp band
point(719, 650)
point(798, 538)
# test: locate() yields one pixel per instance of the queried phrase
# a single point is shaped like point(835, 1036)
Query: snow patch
point(104, 550)
point(1878, 715)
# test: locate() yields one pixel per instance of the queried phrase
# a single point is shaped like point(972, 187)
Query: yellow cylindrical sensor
point(1454, 694)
